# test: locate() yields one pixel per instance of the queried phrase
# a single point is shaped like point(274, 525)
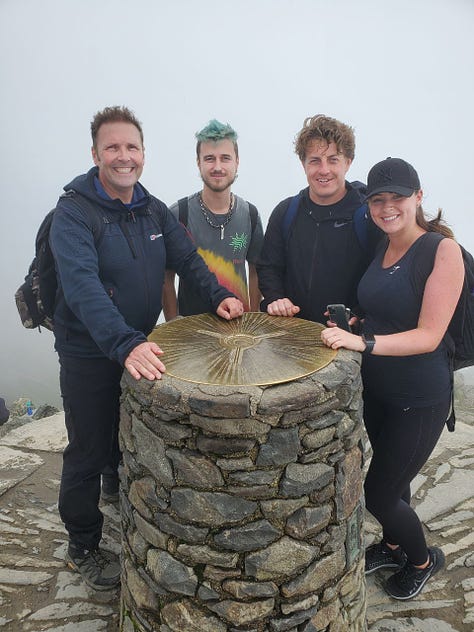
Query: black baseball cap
point(392, 175)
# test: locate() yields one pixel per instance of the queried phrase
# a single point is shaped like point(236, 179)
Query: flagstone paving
point(38, 592)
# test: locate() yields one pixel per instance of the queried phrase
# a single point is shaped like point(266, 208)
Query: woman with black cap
point(408, 294)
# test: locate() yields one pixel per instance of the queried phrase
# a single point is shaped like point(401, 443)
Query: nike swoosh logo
point(339, 224)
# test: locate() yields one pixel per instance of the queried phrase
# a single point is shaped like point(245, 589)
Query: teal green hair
point(214, 132)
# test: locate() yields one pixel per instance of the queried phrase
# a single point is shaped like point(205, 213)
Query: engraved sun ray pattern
point(254, 349)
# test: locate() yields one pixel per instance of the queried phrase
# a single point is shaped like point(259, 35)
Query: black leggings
point(402, 439)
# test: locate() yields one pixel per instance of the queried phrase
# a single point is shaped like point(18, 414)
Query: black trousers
point(90, 388)
point(402, 440)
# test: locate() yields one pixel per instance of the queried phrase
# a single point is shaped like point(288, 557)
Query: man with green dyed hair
point(214, 132)
point(226, 230)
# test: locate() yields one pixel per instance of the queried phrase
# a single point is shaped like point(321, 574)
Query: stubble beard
point(219, 188)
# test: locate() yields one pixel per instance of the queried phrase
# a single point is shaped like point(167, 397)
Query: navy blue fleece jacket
point(110, 281)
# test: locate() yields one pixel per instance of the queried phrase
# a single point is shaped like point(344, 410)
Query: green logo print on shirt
point(239, 242)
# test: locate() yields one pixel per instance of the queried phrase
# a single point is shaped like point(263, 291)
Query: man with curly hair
point(317, 257)
point(226, 229)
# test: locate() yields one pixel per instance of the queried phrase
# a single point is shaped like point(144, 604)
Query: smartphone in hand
point(340, 314)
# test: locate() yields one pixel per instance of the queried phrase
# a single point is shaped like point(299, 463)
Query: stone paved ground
point(37, 592)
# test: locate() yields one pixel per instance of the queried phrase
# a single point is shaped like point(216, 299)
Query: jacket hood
point(358, 188)
point(344, 209)
point(85, 185)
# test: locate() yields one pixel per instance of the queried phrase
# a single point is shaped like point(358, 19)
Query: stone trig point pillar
point(241, 504)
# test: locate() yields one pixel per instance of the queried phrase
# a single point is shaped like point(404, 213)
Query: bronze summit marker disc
point(255, 349)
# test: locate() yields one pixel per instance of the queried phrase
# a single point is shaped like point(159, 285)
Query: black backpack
point(459, 337)
point(461, 327)
point(460, 334)
point(35, 298)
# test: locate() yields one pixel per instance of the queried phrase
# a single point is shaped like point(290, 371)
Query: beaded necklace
point(207, 217)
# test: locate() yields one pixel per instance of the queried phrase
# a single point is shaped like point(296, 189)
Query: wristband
point(369, 340)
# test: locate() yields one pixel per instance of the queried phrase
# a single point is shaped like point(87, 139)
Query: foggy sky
point(399, 72)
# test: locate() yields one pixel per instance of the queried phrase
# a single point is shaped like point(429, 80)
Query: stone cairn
point(241, 505)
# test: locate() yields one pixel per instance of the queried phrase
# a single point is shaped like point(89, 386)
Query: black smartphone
point(340, 314)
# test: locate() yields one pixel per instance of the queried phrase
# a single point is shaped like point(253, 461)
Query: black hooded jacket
point(320, 261)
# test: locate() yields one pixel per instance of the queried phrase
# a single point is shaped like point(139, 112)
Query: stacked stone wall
point(241, 506)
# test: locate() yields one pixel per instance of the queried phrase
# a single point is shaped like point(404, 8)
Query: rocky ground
point(38, 592)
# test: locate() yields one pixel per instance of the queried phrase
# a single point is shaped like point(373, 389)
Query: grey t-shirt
point(224, 256)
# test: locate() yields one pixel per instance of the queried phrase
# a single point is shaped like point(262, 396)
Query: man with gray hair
point(226, 230)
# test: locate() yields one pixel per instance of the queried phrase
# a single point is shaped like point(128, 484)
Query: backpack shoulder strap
point(461, 327)
point(368, 234)
point(425, 256)
point(360, 222)
point(183, 209)
point(155, 211)
point(96, 219)
point(43, 232)
point(253, 216)
point(422, 266)
point(289, 216)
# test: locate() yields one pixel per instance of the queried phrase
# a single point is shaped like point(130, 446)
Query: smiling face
point(217, 164)
point(394, 213)
point(325, 170)
point(119, 154)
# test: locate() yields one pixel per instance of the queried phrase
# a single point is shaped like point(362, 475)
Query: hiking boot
point(110, 488)
point(409, 581)
point(381, 556)
point(99, 569)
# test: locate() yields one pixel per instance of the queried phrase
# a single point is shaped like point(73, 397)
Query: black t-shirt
point(391, 298)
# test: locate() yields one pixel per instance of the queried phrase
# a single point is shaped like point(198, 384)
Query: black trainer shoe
point(110, 488)
point(409, 581)
point(379, 555)
point(99, 569)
